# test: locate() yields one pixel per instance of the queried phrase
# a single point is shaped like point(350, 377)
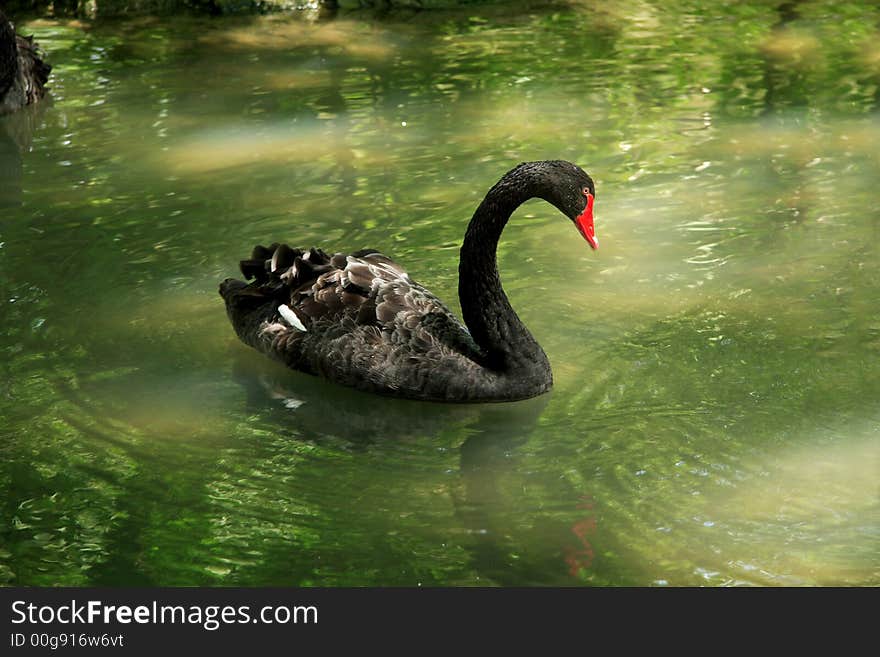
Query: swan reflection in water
point(494, 435)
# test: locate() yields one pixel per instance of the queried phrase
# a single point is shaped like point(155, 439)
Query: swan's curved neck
point(494, 325)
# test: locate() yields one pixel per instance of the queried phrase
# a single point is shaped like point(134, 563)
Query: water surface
point(716, 410)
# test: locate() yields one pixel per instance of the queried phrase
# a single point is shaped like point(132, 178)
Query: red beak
point(585, 225)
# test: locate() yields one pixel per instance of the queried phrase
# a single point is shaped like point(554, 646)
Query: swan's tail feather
point(252, 268)
point(273, 312)
point(276, 272)
point(282, 263)
point(242, 299)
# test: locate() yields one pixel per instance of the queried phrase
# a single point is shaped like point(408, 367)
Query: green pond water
point(716, 413)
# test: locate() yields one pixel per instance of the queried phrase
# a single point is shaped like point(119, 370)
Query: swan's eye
point(586, 191)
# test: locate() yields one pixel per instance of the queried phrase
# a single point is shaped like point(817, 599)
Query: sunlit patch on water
point(239, 146)
point(349, 38)
point(810, 514)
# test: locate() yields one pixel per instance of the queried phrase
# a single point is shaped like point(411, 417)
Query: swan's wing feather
point(365, 288)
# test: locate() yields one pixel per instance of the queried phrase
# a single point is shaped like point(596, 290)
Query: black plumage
point(360, 320)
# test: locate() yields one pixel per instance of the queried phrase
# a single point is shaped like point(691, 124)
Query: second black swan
point(360, 320)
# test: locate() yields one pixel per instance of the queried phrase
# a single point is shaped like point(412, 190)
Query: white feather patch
point(290, 317)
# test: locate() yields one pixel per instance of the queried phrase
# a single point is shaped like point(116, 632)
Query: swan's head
point(562, 184)
point(572, 191)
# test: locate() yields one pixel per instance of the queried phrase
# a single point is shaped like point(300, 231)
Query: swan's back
point(356, 319)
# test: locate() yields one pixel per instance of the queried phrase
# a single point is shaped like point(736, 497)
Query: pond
point(716, 407)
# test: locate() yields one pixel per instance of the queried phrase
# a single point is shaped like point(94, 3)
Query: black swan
point(360, 320)
point(23, 75)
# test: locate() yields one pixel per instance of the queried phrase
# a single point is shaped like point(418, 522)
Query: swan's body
point(360, 320)
point(23, 75)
